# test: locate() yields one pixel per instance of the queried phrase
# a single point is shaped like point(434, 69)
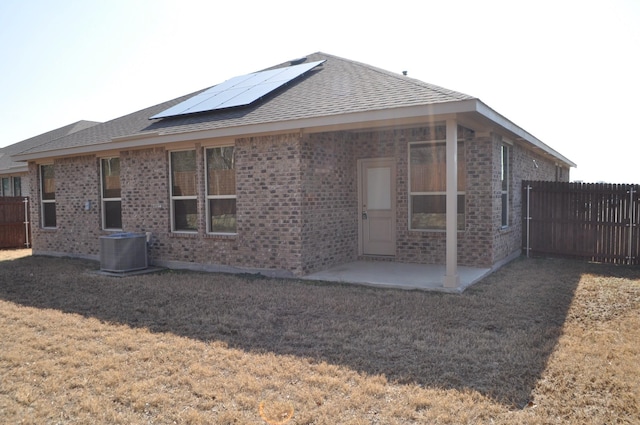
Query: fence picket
point(13, 231)
point(595, 221)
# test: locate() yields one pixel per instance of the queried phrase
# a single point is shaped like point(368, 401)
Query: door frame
point(394, 200)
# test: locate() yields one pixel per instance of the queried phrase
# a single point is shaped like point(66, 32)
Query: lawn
point(540, 341)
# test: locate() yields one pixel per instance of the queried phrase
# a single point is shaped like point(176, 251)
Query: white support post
point(451, 278)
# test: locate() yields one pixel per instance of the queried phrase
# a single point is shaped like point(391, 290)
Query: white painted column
point(451, 278)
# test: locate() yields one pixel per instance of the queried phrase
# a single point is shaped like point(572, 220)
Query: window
point(428, 186)
point(184, 199)
point(558, 173)
point(6, 186)
point(17, 186)
point(221, 190)
point(504, 179)
point(111, 194)
point(47, 196)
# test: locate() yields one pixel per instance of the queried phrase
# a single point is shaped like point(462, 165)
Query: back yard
point(538, 342)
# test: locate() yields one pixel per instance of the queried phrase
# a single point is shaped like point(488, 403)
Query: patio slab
point(426, 277)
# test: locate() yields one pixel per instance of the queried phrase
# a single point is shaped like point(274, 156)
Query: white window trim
point(173, 198)
point(209, 197)
point(45, 201)
point(412, 194)
point(105, 200)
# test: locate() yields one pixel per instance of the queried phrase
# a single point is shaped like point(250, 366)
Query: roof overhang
point(15, 169)
point(471, 111)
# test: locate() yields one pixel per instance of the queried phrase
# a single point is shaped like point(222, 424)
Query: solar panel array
point(238, 91)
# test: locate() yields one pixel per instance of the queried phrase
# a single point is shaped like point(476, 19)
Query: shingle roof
point(7, 163)
point(337, 87)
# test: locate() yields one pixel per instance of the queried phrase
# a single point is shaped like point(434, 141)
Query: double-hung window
point(221, 190)
point(111, 194)
point(184, 195)
point(504, 181)
point(428, 186)
point(47, 196)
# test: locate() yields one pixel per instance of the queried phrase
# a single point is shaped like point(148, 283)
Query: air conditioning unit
point(123, 252)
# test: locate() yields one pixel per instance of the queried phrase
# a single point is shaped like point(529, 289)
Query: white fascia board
point(23, 168)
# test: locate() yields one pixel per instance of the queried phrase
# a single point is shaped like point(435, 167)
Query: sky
point(566, 71)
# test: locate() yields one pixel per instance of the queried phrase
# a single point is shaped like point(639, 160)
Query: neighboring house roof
point(8, 165)
point(339, 94)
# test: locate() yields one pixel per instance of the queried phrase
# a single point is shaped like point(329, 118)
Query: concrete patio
point(386, 274)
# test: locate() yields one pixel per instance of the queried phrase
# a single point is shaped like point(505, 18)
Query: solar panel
point(238, 91)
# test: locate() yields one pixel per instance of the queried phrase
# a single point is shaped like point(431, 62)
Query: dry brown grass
point(540, 341)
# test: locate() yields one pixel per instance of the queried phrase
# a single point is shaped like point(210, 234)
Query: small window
point(558, 173)
point(48, 196)
point(17, 186)
point(504, 181)
point(428, 186)
point(111, 194)
point(6, 186)
point(221, 190)
point(184, 199)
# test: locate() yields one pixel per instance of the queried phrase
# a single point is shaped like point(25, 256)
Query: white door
point(378, 206)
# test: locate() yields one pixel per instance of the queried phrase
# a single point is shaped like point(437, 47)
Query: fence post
point(25, 201)
point(528, 218)
point(632, 223)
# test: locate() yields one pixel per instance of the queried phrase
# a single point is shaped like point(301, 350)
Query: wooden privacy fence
point(15, 230)
point(596, 222)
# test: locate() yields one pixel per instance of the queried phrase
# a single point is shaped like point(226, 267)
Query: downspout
point(451, 278)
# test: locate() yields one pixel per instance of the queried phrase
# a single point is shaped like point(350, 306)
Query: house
point(12, 172)
point(325, 162)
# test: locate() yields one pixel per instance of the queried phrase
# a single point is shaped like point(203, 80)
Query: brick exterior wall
point(329, 201)
point(476, 243)
point(76, 182)
point(145, 207)
point(268, 208)
point(269, 202)
point(297, 203)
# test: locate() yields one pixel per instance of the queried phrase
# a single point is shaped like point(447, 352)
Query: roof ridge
point(404, 78)
point(7, 152)
point(71, 129)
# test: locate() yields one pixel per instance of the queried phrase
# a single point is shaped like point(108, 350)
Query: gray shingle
point(339, 86)
point(37, 141)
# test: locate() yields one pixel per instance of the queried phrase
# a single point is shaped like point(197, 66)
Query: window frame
point(210, 197)
point(411, 194)
point(44, 201)
point(104, 200)
point(173, 198)
point(505, 185)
